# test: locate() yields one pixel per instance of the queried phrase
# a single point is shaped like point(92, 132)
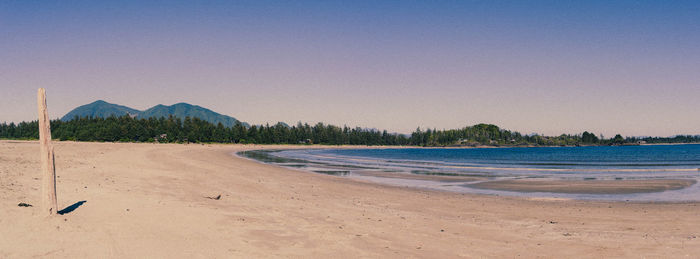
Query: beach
point(160, 201)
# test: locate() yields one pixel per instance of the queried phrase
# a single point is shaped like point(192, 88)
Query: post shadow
point(71, 208)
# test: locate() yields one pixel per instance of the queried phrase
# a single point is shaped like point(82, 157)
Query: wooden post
point(48, 168)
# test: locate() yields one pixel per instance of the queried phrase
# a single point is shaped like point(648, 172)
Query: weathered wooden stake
point(48, 168)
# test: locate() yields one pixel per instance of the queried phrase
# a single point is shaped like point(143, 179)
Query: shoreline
point(504, 186)
point(623, 188)
point(147, 200)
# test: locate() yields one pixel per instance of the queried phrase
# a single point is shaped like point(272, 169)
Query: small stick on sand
point(47, 158)
point(214, 198)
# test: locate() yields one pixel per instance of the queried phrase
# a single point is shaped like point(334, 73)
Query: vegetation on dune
point(174, 129)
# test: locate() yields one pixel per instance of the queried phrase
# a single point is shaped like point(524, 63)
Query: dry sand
point(148, 200)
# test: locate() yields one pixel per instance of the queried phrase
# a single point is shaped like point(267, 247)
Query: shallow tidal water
point(620, 173)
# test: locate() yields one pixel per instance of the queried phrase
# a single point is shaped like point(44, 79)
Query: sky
point(547, 67)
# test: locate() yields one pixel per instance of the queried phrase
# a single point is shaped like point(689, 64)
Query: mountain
point(99, 108)
point(181, 110)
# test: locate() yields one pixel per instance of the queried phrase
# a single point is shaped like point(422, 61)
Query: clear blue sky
point(552, 67)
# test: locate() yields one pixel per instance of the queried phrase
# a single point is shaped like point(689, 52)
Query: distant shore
point(388, 146)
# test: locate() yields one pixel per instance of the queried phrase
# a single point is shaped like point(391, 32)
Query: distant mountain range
point(181, 110)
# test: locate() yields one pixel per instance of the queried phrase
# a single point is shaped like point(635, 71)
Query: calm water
point(491, 164)
point(670, 156)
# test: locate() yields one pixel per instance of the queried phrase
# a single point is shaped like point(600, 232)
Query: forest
point(194, 130)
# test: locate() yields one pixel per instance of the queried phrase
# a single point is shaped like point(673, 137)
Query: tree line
point(177, 130)
point(195, 130)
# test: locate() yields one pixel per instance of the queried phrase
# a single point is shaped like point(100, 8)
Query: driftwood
point(48, 167)
point(214, 198)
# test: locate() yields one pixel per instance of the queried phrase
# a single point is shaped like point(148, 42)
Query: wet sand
point(441, 178)
point(586, 186)
point(150, 200)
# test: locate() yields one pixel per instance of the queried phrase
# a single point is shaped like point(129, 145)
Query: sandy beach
point(151, 201)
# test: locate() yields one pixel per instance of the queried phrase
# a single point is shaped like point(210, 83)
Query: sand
point(149, 200)
point(587, 186)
